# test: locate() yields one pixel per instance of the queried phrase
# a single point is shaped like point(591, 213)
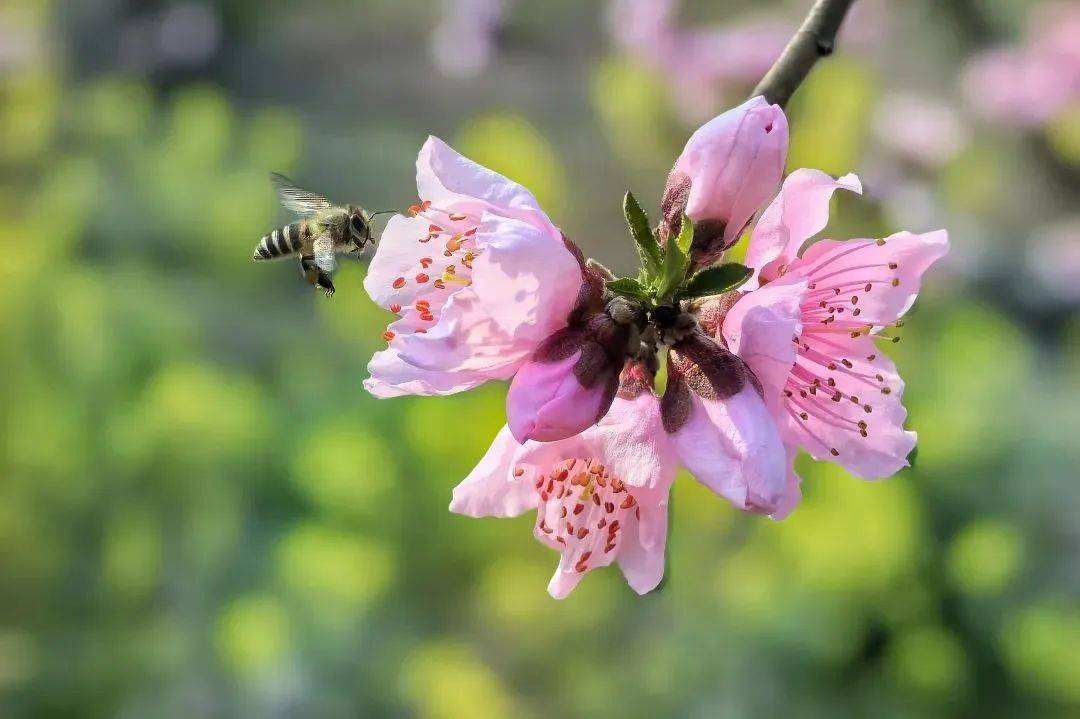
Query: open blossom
point(729, 168)
point(808, 330)
point(601, 496)
point(478, 275)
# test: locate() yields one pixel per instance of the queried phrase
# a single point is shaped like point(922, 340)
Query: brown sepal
point(673, 205)
point(634, 380)
point(594, 365)
point(712, 311)
point(711, 371)
point(559, 345)
point(707, 247)
point(590, 299)
point(677, 402)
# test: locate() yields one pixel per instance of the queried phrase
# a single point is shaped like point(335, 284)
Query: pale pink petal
point(525, 277)
point(629, 440)
point(464, 339)
point(853, 415)
point(498, 486)
point(451, 181)
point(799, 212)
point(760, 329)
point(792, 491)
point(590, 517)
point(883, 276)
point(391, 376)
point(641, 557)
point(390, 278)
point(733, 447)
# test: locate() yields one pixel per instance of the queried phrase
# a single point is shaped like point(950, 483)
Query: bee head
point(359, 227)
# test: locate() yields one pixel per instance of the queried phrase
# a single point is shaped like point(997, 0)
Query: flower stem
point(814, 39)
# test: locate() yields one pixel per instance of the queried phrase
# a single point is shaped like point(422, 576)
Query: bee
point(325, 230)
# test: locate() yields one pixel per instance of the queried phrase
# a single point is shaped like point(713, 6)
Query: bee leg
point(309, 269)
point(326, 283)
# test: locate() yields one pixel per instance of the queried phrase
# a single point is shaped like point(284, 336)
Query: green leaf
point(715, 280)
point(629, 287)
point(676, 259)
point(686, 235)
point(647, 247)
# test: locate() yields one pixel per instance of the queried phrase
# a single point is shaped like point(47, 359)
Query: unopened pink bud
point(730, 167)
point(547, 402)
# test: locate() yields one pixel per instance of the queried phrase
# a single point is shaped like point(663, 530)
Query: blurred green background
point(203, 514)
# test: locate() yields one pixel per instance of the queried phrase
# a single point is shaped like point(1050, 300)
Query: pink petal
point(391, 275)
point(464, 339)
point(593, 527)
point(733, 447)
point(792, 492)
point(450, 180)
point(760, 328)
point(835, 413)
point(391, 376)
point(892, 268)
point(492, 489)
point(525, 277)
point(630, 441)
point(799, 212)
point(641, 557)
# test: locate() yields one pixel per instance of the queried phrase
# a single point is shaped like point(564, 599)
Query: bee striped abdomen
point(282, 242)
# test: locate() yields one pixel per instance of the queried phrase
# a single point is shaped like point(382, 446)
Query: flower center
point(825, 374)
point(448, 249)
point(583, 512)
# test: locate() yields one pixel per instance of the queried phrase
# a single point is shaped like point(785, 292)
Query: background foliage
point(203, 514)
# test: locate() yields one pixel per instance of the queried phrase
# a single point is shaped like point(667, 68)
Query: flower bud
point(730, 167)
point(548, 402)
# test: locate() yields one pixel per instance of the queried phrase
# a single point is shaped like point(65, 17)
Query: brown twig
point(814, 39)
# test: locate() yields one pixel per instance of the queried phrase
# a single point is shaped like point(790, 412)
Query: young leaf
point(676, 259)
point(628, 287)
point(715, 280)
point(686, 235)
point(648, 249)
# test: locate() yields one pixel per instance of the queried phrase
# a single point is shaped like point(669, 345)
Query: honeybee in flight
point(325, 230)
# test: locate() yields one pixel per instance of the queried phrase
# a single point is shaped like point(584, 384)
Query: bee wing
point(325, 256)
point(296, 199)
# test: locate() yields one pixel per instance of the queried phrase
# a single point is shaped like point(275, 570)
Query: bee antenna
point(383, 212)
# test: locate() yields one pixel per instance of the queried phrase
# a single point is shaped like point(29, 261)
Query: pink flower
point(601, 496)
point(464, 40)
point(808, 332)
point(920, 128)
point(1029, 84)
point(478, 275)
point(701, 64)
point(729, 168)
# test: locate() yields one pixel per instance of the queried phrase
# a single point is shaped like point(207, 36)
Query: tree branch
point(814, 39)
